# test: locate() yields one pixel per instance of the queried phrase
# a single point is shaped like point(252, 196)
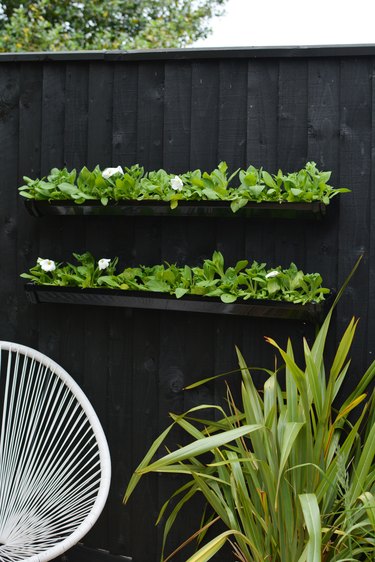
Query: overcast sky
point(293, 22)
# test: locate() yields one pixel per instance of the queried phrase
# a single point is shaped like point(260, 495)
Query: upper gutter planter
point(253, 192)
point(315, 210)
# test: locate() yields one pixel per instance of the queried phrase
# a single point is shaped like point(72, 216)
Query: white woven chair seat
point(55, 466)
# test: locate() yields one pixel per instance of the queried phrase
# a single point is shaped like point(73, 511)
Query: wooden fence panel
point(180, 111)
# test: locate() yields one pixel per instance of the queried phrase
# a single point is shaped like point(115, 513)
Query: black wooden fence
point(180, 110)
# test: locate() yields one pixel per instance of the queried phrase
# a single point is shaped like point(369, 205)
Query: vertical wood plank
point(29, 141)
point(371, 270)
point(290, 245)
point(355, 172)
point(261, 151)
point(230, 234)
point(53, 117)
point(146, 324)
point(262, 114)
point(204, 155)
point(177, 116)
point(292, 126)
point(76, 115)
point(145, 428)
point(125, 102)
point(52, 321)
point(323, 148)
point(292, 152)
point(176, 247)
point(119, 424)
point(232, 113)
point(97, 323)
point(100, 115)
point(9, 92)
point(150, 115)
point(121, 341)
point(74, 237)
point(204, 115)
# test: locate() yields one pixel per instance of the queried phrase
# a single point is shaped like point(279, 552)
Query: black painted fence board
point(9, 94)
point(180, 109)
point(28, 107)
point(355, 169)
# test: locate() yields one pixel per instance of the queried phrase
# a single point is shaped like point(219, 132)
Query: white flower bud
point(104, 263)
point(108, 172)
point(46, 265)
point(271, 274)
point(177, 183)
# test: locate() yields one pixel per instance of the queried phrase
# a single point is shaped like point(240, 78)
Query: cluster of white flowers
point(50, 265)
point(46, 264)
point(104, 263)
point(108, 172)
point(177, 183)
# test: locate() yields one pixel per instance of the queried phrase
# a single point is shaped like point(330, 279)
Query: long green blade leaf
point(201, 446)
point(311, 513)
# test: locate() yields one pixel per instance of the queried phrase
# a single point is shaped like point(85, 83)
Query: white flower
point(177, 183)
point(46, 265)
point(271, 274)
point(108, 172)
point(104, 263)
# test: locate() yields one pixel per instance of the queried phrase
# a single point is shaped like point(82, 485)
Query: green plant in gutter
point(211, 279)
point(86, 274)
point(290, 476)
point(62, 185)
point(133, 184)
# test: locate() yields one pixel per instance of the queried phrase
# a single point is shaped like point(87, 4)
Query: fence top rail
point(306, 51)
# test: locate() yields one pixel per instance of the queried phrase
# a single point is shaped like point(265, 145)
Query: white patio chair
point(55, 466)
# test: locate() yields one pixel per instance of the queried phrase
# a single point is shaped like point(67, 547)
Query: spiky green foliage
point(288, 474)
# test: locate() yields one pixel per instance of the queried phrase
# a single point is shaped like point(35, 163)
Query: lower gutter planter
point(315, 210)
point(310, 312)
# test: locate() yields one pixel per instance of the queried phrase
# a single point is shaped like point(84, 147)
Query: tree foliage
point(54, 25)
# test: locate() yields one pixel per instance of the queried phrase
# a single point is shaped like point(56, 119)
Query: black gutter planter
point(315, 210)
point(310, 312)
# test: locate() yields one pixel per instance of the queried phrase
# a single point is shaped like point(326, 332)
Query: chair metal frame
point(37, 387)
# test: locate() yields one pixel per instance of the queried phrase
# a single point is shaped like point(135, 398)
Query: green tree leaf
point(45, 25)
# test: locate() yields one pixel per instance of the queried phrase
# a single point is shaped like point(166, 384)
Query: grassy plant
point(287, 473)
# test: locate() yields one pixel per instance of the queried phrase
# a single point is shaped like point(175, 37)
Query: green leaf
point(363, 467)
point(138, 473)
point(237, 204)
point(201, 446)
point(240, 265)
point(296, 192)
point(268, 180)
point(210, 549)
point(227, 298)
point(291, 432)
point(180, 292)
point(311, 513)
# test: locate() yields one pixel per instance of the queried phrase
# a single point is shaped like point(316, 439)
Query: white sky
point(293, 22)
